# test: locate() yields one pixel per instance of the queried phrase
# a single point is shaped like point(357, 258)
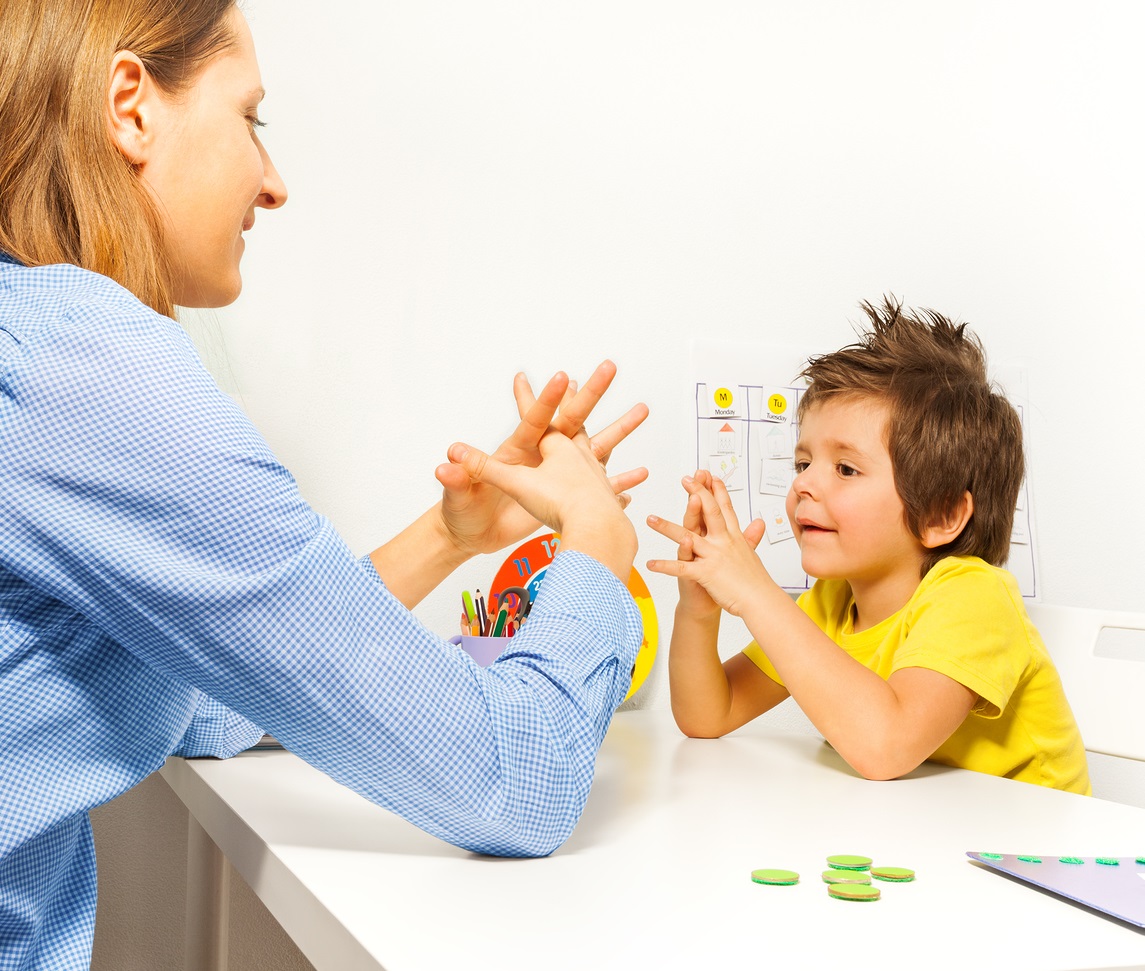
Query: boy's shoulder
point(969, 583)
point(966, 570)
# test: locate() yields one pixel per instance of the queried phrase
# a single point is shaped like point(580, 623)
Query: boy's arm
point(882, 728)
point(710, 699)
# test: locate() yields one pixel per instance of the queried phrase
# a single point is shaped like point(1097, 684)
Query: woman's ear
point(940, 533)
point(129, 95)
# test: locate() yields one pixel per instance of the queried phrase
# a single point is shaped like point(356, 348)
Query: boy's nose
point(803, 483)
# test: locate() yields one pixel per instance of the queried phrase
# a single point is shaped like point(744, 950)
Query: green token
point(1072, 860)
point(895, 874)
point(845, 876)
point(776, 878)
point(845, 861)
point(1108, 861)
point(1030, 859)
point(990, 856)
point(853, 891)
point(1140, 859)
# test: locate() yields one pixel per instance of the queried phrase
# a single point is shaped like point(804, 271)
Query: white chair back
point(1100, 655)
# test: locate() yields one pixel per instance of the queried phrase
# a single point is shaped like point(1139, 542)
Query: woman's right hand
point(480, 518)
point(568, 491)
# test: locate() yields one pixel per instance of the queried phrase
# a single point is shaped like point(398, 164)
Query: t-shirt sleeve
point(964, 624)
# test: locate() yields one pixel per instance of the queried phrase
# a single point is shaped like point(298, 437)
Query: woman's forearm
point(419, 558)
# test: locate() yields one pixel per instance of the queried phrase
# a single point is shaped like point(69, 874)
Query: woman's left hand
point(480, 518)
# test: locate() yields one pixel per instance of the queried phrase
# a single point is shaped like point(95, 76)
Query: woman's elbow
point(535, 823)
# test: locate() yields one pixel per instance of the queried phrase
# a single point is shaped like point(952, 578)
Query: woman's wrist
point(610, 541)
point(445, 542)
point(418, 558)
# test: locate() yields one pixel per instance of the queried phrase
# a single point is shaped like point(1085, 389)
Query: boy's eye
point(801, 466)
point(846, 470)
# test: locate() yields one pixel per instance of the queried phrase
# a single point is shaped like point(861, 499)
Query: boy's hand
point(713, 554)
point(693, 597)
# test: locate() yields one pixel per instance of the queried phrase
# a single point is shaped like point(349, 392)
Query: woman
point(163, 587)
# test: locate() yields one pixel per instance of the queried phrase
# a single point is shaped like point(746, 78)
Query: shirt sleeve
point(215, 730)
point(144, 498)
point(966, 625)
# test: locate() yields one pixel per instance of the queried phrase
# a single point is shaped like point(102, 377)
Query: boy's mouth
point(809, 527)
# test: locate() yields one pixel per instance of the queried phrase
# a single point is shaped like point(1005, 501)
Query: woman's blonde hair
point(67, 194)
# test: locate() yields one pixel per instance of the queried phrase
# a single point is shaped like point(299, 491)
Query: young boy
point(913, 643)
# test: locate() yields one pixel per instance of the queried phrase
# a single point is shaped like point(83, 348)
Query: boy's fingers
point(754, 532)
point(672, 568)
point(693, 515)
point(669, 530)
point(713, 518)
point(724, 503)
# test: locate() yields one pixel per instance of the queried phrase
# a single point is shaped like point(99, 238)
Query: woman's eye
point(255, 123)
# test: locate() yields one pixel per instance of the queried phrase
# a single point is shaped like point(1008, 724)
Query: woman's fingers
point(452, 476)
point(603, 442)
point(575, 411)
point(536, 413)
point(623, 481)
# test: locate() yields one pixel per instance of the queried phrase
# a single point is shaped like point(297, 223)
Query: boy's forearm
point(697, 683)
point(856, 710)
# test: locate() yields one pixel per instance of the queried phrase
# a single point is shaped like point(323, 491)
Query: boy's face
point(843, 505)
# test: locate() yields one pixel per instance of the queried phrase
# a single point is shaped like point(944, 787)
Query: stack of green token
point(853, 891)
point(845, 876)
point(776, 878)
point(893, 874)
point(847, 861)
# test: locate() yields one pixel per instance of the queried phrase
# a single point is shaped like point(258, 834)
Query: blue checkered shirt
point(164, 590)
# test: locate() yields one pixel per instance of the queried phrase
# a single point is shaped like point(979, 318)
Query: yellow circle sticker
point(723, 398)
point(777, 404)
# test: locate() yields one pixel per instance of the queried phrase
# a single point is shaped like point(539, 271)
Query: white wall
point(481, 188)
point(478, 188)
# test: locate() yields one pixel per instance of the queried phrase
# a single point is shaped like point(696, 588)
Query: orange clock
point(526, 566)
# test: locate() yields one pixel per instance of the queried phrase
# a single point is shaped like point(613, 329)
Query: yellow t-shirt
point(966, 620)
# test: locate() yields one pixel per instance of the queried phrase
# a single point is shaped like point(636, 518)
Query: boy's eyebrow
point(834, 445)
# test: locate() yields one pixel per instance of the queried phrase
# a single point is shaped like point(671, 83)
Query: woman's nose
point(273, 194)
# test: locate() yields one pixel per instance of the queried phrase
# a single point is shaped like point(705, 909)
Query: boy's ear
point(130, 93)
point(940, 533)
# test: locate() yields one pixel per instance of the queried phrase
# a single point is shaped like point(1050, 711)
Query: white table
point(657, 874)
